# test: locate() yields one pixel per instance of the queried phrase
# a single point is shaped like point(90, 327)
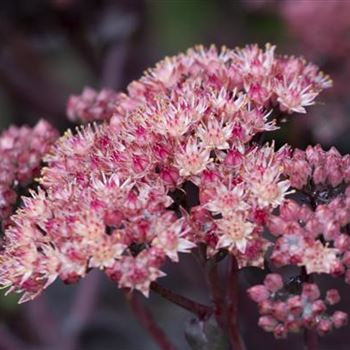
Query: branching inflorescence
point(176, 163)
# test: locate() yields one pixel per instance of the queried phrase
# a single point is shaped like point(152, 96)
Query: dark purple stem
point(147, 321)
point(216, 293)
point(311, 340)
point(201, 311)
point(235, 338)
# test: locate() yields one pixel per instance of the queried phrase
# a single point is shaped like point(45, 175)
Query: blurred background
point(50, 49)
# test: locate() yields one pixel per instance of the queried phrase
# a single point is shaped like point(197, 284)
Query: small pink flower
point(332, 297)
point(273, 282)
point(258, 293)
point(193, 159)
point(339, 319)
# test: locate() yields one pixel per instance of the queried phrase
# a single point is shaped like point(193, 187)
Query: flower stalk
point(202, 311)
point(147, 321)
point(235, 337)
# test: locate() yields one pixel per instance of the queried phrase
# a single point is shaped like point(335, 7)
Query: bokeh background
point(50, 49)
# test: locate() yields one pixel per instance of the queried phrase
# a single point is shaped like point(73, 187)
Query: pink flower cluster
point(175, 163)
point(92, 105)
point(267, 81)
point(21, 152)
point(283, 311)
point(315, 235)
point(318, 170)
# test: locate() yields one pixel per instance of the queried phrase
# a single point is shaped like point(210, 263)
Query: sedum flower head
point(172, 163)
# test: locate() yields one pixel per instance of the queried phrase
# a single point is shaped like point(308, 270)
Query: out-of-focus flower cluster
point(285, 310)
point(177, 163)
point(318, 34)
point(311, 26)
point(21, 152)
point(311, 23)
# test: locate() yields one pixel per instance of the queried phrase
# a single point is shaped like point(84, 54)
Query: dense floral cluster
point(21, 152)
point(204, 78)
point(92, 105)
point(175, 162)
point(283, 310)
point(315, 234)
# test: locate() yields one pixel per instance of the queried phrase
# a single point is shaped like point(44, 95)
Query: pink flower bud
point(337, 269)
point(280, 331)
point(258, 293)
point(346, 259)
point(233, 158)
point(266, 307)
point(342, 242)
point(258, 93)
point(113, 218)
point(170, 176)
point(273, 282)
point(293, 326)
point(324, 326)
point(161, 152)
point(276, 225)
point(289, 210)
point(268, 323)
point(313, 154)
point(318, 307)
point(139, 163)
point(320, 175)
point(332, 297)
point(260, 216)
point(295, 305)
point(280, 311)
point(339, 319)
point(310, 291)
point(70, 277)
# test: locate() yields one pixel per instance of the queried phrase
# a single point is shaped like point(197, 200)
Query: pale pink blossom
point(320, 259)
point(234, 232)
point(192, 159)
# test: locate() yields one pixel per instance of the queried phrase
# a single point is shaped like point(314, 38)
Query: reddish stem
point(147, 321)
point(235, 338)
point(311, 340)
point(216, 293)
point(201, 311)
